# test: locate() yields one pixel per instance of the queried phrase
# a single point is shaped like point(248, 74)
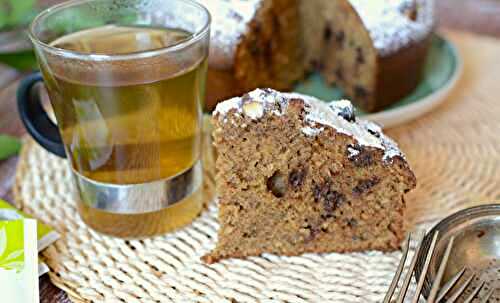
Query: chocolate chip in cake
point(327, 33)
point(375, 133)
point(347, 112)
point(316, 192)
point(340, 38)
point(276, 184)
point(364, 186)
point(296, 178)
point(360, 58)
point(360, 92)
point(339, 73)
point(359, 156)
point(331, 199)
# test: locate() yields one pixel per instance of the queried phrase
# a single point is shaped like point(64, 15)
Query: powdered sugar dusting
point(318, 116)
point(396, 23)
point(319, 112)
point(352, 152)
point(230, 20)
point(223, 108)
point(391, 24)
point(311, 131)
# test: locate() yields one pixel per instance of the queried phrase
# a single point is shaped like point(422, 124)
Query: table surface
point(479, 16)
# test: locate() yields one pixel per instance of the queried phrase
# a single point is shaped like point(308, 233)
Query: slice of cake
point(296, 175)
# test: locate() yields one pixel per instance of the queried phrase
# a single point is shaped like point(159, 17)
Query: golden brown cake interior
point(287, 188)
point(346, 54)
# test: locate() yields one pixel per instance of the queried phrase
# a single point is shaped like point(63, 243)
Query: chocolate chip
point(373, 132)
point(340, 37)
point(360, 92)
point(327, 33)
point(360, 58)
point(331, 199)
point(296, 177)
point(347, 112)
point(359, 156)
point(325, 217)
point(364, 186)
point(317, 192)
point(373, 129)
point(339, 73)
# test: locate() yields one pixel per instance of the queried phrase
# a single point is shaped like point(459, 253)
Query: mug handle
point(34, 117)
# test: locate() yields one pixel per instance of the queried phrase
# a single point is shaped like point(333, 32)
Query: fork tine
point(459, 291)
point(449, 285)
point(399, 270)
point(487, 297)
point(440, 273)
point(474, 293)
point(409, 274)
point(428, 257)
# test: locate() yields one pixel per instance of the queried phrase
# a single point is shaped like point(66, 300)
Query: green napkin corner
point(46, 234)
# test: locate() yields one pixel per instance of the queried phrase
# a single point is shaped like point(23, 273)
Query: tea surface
point(124, 127)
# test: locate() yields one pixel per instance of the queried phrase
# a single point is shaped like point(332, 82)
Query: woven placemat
point(455, 152)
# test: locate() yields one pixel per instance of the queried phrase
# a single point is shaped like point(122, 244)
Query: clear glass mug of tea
point(126, 81)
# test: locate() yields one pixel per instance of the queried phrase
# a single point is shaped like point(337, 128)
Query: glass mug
point(126, 80)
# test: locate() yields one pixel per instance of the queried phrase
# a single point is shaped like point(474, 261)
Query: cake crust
point(295, 175)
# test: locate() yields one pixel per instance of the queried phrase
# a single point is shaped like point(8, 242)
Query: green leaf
point(24, 60)
point(9, 146)
point(16, 12)
point(21, 9)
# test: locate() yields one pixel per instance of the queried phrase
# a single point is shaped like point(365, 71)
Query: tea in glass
point(127, 95)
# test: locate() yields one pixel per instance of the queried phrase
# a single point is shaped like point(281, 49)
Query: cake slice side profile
point(297, 175)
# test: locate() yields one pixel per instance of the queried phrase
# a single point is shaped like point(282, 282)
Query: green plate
point(442, 70)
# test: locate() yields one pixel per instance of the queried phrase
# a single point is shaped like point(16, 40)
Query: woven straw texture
point(454, 151)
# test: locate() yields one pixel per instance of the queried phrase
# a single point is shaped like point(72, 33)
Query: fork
point(435, 294)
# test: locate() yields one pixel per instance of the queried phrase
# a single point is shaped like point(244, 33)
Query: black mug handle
point(34, 117)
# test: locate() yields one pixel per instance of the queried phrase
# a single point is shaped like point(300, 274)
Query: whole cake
point(373, 49)
point(297, 175)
